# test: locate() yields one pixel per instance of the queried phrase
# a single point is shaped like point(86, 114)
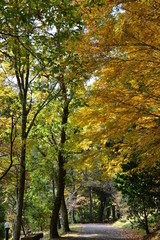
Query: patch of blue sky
point(117, 10)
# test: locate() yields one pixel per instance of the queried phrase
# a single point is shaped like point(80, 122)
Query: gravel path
point(102, 232)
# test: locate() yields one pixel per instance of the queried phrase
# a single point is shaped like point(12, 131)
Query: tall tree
point(19, 31)
point(56, 131)
point(70, 75)
point(126, 109)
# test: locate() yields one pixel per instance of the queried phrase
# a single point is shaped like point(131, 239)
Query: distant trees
point(92, 198)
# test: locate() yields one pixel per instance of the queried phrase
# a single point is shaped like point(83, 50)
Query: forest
point(79, 114)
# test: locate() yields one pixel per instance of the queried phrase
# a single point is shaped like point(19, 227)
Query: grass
point(73, 227)
point(153, 225)
point(125, 223)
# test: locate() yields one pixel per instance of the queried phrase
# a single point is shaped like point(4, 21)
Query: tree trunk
point(102, 198)
point(90, 205)
point(61, 172)
point(113, 213)
point(118, 212)
point(65, 224)
point(108, 213)
point(146, 221)
point(59, 223)
point(102, 206)
point(73, 204)
point(18, 221)
point(73, 215)
point(58, 199)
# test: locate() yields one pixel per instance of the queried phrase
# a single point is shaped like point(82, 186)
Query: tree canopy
point(79, 97)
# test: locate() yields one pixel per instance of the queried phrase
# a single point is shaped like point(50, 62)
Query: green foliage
point(38, 195)
point(49, 49)
point(141, 190)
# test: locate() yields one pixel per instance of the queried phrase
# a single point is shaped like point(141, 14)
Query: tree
point(19, 31)
point(140, 189)
point(34, 65)
point(58, 131)
point(64, 215)
point(122, 115)
point(126, 87)
point(71, 75)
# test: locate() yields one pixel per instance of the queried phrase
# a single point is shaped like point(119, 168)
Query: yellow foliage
point(123, 104)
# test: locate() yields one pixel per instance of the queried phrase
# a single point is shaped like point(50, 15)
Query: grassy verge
point(125, 223)
point(155, 230)
point(73, 227)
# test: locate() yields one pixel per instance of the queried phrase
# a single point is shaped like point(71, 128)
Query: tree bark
point(108, 213)
point(18, 221)
point(118, 212)
point(58, 198)
point(113, 213)
point(65, 223)
point(59, 223)
point(73, 215)
point(102, 206)
point(90, 205)
point(61, 172)
point(74, 203)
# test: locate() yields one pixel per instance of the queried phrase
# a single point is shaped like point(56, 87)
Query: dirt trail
point(102, 232)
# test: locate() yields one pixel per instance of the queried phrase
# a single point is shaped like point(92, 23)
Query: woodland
point(79, 113)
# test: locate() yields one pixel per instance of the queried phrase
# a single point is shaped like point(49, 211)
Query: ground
point(102, 232)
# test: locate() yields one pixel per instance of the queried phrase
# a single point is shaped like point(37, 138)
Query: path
point(102, 232)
